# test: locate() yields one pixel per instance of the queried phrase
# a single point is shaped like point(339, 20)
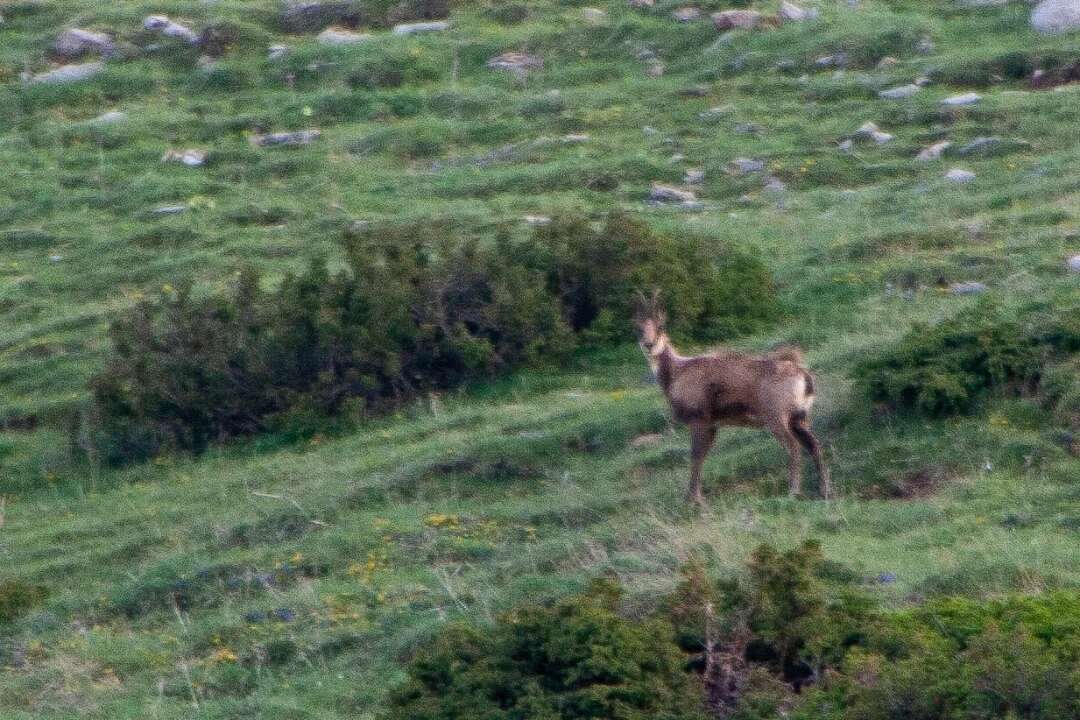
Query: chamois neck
point(663, 359)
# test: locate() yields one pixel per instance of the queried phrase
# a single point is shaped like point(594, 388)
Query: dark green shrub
point(417, 308)
point(16, 597)
point(394, 69)
point(944, 369)
point(577, 659)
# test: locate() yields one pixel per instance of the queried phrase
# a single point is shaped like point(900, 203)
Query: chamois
point(772, 391)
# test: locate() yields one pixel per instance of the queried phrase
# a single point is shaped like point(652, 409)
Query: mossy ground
point(278, 579)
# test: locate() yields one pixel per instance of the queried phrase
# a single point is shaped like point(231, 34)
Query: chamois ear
point(656, 308)
point(641, 305)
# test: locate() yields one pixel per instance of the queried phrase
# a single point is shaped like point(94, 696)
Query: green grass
point(526, 488)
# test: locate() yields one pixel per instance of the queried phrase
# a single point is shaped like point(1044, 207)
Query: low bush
point(793, 635)
point(16, 597)
point(417, 308)
point(945, 369)
point(576, 659)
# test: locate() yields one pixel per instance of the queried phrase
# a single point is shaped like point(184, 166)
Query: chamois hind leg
point(800, 427)
point(701, 441)
point(782, 432)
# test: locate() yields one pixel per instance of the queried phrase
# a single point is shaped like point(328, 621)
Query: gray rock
point(887, 62)
point(669, 193)
point(959, 175)
point(593, 16)
point(686, 14)
point(300, 137)
point(715, 113)
point(575, 139)
point(162, 25)
point(790, 12)
point(1056, 16)
point(641, 4)
point(736, 19)
point(774, 184)
point(68, 74)
point(1073, 263)
point(339, 36)
point(537, 220)
point(276, 52)
point(694, 177)
point(965, 99)
point(189, 157)
point(899, 93)
point(169, 210)
point(845, 145)
point(745, 166)
point(925, 46)
point(655, 69)
point(933, 152)
point(870, 131)
point(747, 128)
point(309, 16)
point(990, 146)
point(967, 288)
point(113, 117)
point(515, 61)
point(76, 42)
point(837, 60)
point(420, 27)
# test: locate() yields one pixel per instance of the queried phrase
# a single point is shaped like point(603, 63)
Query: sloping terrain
point(285, 580)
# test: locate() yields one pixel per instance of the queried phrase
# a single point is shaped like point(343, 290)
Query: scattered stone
point(646, 440)
point(747, 128)
point(933, 152)
point(594, 16)
point(169, 210)
point(899, 93)
point(189, 157)
point(206, 64)
point(774, 184)
point(745, 166)
point(112, 117)
point(276, 52)
point(694, 177)
point(967, 288)
point(75, 43)
point(686, 14)
point(341, 36)
point(870, 131)
point(532, 434)
point(694, 91)
point(1073, 263)
point(575, 139)
point(55, 258)
point(162, 25)
point(309, 16)
point(966, 99)
point(715, 113)
point(925, 46)
point(300, 137)
point(420, 27)
point(981, 146)
point(669, 193)
point(959, 175)
point(68, 74)
point(846, 145)
point(535, 220)
point(736, 19)
point(1056, 16)
point(790, 12)
point(650, 131)
point(641, 4)
point(887, 62)
point(655, 69)
point(515, 61)
point(676, 158)
point(837, 60)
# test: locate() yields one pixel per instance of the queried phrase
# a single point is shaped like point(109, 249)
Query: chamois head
point(649, 319)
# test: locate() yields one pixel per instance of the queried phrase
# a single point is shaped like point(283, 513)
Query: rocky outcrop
point(68, 74)
point(1056, 16)
point(341, 36)
point(300, 16)
point(162, 25)
point(737, 19)
point(75, 43)
point(300, 137)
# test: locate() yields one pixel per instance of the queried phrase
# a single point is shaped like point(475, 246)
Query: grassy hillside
point(283, 579)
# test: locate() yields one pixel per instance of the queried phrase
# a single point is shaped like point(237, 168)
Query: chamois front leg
point(790, 443)
point(701, 441)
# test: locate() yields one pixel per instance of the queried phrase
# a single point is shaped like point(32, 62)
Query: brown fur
point(774, 391)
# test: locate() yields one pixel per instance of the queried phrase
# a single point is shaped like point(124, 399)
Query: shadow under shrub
point(945, 369)
point(416, 309)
